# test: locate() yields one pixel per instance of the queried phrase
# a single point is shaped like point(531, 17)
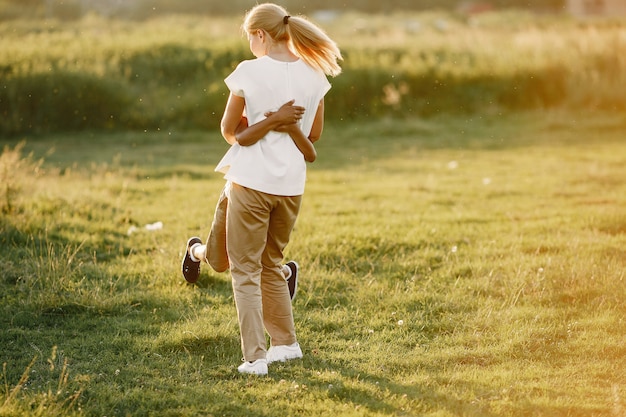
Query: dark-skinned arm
point(305, 144)
point(235, 129)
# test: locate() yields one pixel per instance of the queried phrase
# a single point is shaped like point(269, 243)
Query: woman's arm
point(236, 130)
point(318, 123)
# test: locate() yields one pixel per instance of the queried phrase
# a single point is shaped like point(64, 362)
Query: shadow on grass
point(213, 283)
point(369, 393)
point(194, 154)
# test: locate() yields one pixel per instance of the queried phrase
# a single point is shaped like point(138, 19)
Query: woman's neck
point(280, 52)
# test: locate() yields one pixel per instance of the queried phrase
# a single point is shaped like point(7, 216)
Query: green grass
point(450, 267)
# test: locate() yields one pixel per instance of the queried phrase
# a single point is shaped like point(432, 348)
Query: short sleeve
point(326, 86)
point(235, 81)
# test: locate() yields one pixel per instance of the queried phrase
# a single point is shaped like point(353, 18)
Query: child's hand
point(287, 114)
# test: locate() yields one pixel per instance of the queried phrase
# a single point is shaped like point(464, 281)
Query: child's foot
point(292, 279)
point(190, 267)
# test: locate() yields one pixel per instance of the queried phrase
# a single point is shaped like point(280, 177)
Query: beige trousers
point(258, 226)
point(216, 253)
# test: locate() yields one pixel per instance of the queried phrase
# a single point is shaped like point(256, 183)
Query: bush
point(169, 72)
point(61, 101)
point(425, 88)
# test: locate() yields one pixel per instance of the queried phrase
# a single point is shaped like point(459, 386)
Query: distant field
point(166, 73)
point(146, 9)
point(451, 266)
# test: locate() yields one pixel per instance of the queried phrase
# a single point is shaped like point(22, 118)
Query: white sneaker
point(284, 353)
point(258, 367)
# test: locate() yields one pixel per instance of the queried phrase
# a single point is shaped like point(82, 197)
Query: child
point(281, 93)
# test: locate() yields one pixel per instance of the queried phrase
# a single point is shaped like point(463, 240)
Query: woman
point(274, 114)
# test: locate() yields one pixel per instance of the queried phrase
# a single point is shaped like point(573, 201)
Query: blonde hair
point(307, 40)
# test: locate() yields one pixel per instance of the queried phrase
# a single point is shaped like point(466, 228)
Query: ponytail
point(308, 40)
point(314, 46)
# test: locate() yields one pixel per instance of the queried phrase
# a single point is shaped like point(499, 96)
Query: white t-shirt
point(274, 164)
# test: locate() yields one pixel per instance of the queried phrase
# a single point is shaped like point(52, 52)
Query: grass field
point(452, 266)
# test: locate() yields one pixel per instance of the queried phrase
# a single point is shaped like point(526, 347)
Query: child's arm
point(235, 130)
point(306, 146)
point(302, 142)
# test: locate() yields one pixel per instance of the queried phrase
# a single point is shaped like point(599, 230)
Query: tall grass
point(12, 165)
point(167, 73)
point(53, 400)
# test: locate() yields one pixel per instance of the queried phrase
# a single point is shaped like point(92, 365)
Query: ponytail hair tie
point(286, 19)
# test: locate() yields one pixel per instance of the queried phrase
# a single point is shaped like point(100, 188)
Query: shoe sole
point(292, 282)
point(292, 355)
point(253, 373)
point(284, 359)
point(257, 370)
point(190, 269)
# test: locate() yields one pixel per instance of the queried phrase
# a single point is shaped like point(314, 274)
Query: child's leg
point(214, 252)
point(217, 255)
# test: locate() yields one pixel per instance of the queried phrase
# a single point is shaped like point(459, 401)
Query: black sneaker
point(292, 281)
point(191, 269)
